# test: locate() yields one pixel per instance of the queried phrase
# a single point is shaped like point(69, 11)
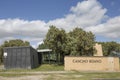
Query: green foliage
point(12, 43)
point(80, 42)
point(42, 46)
point(56, 40)
point(77, 42)
point(109, 47)
point(17, 42)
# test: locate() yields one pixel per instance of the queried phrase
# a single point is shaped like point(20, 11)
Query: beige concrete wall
point(98, 47)
point(92, 63)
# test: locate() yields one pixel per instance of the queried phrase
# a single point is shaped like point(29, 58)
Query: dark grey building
point(20, 57)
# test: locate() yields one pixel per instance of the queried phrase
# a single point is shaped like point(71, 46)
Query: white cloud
point(85, 14)
point(32, 31)
point(109, 29)
point(5, 39)
point(88, 14)
point(14, 27)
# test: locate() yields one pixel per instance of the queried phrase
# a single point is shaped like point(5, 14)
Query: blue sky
point(35, 9)
point(47, 9)
point(30, 19)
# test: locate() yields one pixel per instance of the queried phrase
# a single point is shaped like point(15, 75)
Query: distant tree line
point(12, 43)
point(110, 47)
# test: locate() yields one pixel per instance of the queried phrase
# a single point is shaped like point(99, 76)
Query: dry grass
point(61, 75)
point(56, 72)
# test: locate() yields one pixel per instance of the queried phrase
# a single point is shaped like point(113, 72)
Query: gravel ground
point(1, 66)
point(33, 77)
point(39, 75)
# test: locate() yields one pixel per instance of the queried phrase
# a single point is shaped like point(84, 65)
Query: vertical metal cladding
point(39, 58)
point(20, 57)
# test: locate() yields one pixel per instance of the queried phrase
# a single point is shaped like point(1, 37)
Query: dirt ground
point(36, 75)
point(1, 67)
point(58, 75)
point(61, 75)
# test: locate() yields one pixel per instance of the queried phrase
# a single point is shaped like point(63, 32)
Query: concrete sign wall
point(92, 63)
point(98, 47)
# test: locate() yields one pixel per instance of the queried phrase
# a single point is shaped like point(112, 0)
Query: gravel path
point(33, 77)
point(38, 72)
point(38, 75)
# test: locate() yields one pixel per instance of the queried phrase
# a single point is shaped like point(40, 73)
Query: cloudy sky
point(30, 19)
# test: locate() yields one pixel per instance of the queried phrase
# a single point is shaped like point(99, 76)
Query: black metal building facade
point(20, 57)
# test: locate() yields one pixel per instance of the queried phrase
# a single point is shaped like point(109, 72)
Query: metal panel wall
point(34, 58)
point(20, 57)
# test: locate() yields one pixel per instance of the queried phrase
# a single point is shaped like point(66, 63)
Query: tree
point(12, 43)
point(77, 42)
point(56, 40)
point(17, 42)
point(109, 47)
point(80, 42)
point(42, 46)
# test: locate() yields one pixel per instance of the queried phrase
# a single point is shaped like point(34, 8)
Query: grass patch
point(44, 67)
point(103, 75)
point(70, 75)
point(14, 75)
point(47, 67)
point(85, 76)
